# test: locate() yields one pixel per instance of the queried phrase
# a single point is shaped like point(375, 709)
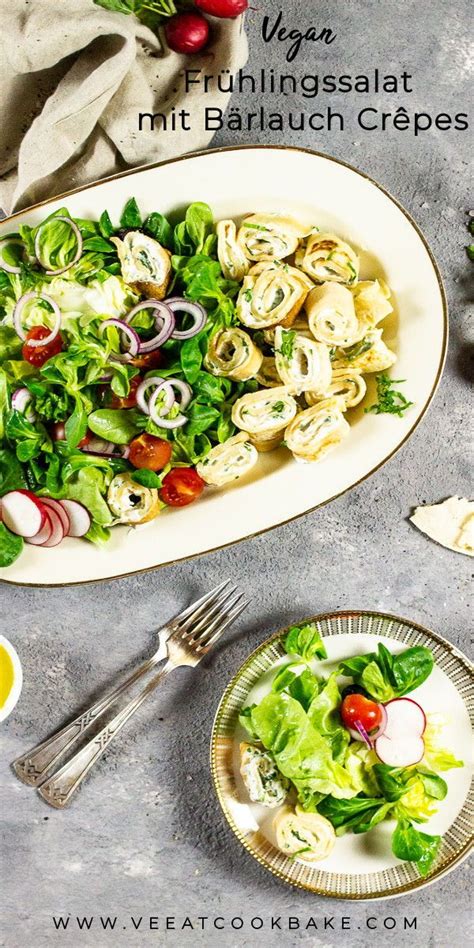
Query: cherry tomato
point(181, 486)
point(150, 452)
point(130, 400)
point(148, 360)
point(38, 355)
point(85, 440)
point(356, 709)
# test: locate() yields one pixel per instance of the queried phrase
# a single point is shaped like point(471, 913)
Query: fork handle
point(32, 766)
point(58, 789)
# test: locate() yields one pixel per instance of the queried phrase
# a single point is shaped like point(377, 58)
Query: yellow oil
point(7, 675)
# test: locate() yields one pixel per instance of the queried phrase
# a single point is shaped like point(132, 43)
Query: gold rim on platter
point(457, 841)
point(439, 371)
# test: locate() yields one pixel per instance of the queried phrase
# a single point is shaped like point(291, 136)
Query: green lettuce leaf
point(302, 754)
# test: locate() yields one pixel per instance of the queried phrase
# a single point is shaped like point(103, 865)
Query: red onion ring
point(383, 724)
point(185, 390)
point(363, 734)
point(8, 266)
point(133, 337)
point(99, 447)
point(21, 399)
point(155, 415)
point(78, 254)
point(164, 322)
point(178, 304)
point(17, 313)
point(146, 384)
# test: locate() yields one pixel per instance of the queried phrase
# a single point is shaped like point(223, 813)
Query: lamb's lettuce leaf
point(409, 843)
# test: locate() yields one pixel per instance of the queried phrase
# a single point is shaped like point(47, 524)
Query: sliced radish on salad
point(57, 532)
point(23, 513)
point(402, 744)
point(44, 534)
point(400, 752)
point(59, 511)
point(79, 518)
point(404, 716)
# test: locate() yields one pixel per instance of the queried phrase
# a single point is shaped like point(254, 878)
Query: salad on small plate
point(342, 761)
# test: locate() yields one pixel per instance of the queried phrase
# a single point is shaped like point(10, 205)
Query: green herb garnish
point(287, 344)
point(358, 349)
point(390, 400)
point(257, 227)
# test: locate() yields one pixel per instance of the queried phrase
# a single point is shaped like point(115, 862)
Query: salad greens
point(299, 723)
point(81, 386)
point(385, 676)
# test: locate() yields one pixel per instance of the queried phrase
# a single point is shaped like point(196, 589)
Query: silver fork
point(187, 645)
point(33, 767)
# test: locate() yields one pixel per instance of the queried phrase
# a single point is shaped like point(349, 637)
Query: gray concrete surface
point(146, 838)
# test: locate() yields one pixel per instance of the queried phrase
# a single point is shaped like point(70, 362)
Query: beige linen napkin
point(73, 78)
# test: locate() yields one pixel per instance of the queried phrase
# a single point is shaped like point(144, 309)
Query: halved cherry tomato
point(148, 360)
point(150, 452)
point(38, 355)
point(357, 709)
point(181, 487)
point(130, 400)
point(85, 440)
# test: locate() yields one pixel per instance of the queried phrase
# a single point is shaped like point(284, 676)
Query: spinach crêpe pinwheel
point(371, 354)
point(332, 317)
point(309, 836)
point(325, 257)
point(371, 301)
point(265, 416)
point(265, 237)
point(229, 461)
point(349, 384)
point(317, 430)
point(303, 364)
point(272, 294)
point(232, 353)
point(232, 259)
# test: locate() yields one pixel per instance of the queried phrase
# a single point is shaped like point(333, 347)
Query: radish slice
point(401, 752)
point(405, 718)
point(44, 534)
point(79, 518)
point(23, 513)
point(59, 510)
point(57, 532)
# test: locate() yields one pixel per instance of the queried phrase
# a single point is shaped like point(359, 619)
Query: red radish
point(400, 753)
point(57, 532)
point(79, 518)
point(222, 8)
point(402, 744)
point(404, 717)
point(59, 510)
point(187, 32)
point(23, 513)
point(44, 534)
